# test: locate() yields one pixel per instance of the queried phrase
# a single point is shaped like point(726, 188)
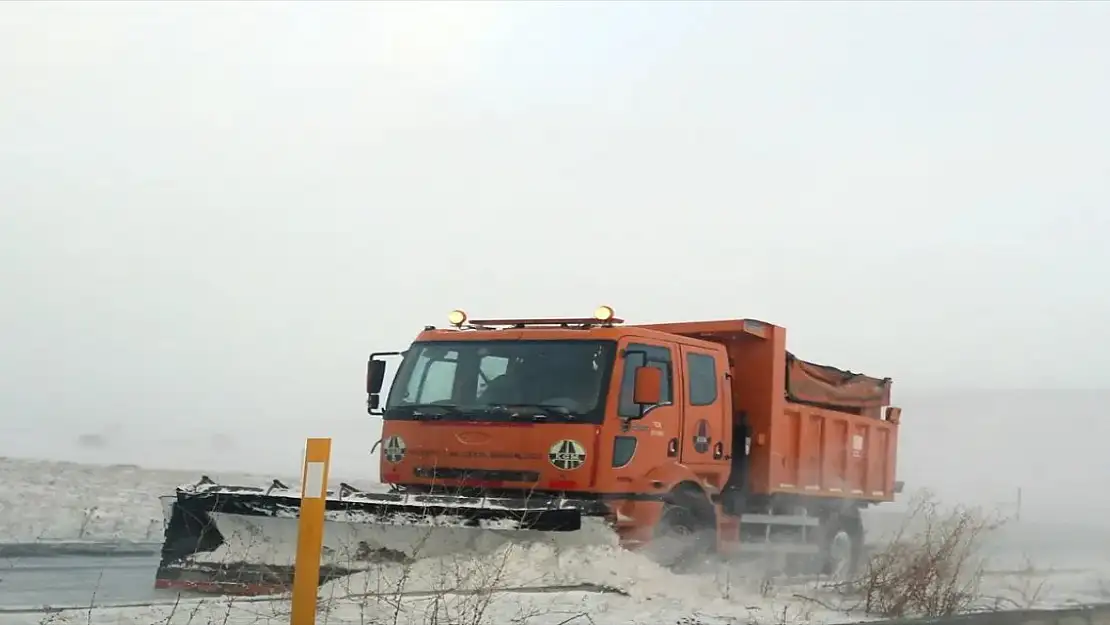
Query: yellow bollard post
point(310, 530)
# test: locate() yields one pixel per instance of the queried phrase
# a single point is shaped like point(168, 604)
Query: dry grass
point(933, 573)
point(932, 566)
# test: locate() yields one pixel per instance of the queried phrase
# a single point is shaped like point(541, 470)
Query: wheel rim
point(681, 529)
point(679, 521)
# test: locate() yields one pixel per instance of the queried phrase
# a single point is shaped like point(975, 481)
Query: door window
point(659, 357)
point(701, 370)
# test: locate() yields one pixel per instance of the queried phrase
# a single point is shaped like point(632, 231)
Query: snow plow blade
point(242, 540)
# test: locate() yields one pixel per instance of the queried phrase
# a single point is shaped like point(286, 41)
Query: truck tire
point(841, 545)
point(687, 530)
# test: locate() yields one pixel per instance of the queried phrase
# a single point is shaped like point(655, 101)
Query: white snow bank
point(567, 608)
point(655, 597)
point(53, 500)
point(715, 588)
point(42, 500)
point(65, 501)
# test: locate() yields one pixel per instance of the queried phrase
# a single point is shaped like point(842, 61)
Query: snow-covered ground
point(42, 500)
point(544, 583)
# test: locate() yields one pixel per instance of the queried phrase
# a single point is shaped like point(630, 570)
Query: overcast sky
point(211, 212)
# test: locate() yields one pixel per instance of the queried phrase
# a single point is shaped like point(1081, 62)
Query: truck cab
point(581, 407)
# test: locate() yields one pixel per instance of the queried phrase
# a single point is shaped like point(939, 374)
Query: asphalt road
point(67, 581)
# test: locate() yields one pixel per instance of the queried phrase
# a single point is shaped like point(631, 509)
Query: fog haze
point(212, 212)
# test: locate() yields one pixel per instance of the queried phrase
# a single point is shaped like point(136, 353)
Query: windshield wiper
point(419, 411)
point(536, 412)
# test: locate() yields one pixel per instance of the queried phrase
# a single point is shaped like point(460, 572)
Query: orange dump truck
point(710, 428)
point(706, 430)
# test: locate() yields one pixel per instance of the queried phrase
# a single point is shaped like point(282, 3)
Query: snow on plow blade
point(242, 540)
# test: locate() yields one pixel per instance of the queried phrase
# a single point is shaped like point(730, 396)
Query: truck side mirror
point(648, 387)
point(375, 379)
point(375, 376)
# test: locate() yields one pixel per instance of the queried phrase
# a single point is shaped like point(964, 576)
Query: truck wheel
point(686, 532)
point(841, 546)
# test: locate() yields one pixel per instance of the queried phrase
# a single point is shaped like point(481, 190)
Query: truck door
point(654, 439)
point(705, 435)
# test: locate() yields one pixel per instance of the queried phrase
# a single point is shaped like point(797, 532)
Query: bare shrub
point(931, 567)
point(448, 589)
point(1023, 590)
point(1104, 589)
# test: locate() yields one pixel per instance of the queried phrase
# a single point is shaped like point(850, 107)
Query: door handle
point(718, 451)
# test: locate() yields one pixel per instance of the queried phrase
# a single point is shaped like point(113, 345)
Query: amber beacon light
point(456, 318)
point(604, 313)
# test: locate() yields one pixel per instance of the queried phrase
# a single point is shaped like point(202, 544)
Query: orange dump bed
point(815, 430)
point(816, 451)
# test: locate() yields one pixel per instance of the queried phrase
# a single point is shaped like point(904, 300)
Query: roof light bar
point(603, 315)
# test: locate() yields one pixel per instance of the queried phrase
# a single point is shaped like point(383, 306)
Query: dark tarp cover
point(811, 383)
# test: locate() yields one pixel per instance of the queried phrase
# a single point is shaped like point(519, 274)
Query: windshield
point(502, 381)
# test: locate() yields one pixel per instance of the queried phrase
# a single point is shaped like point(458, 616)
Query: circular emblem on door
point(395, 449)
point(701, 437)
point(567, 455)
